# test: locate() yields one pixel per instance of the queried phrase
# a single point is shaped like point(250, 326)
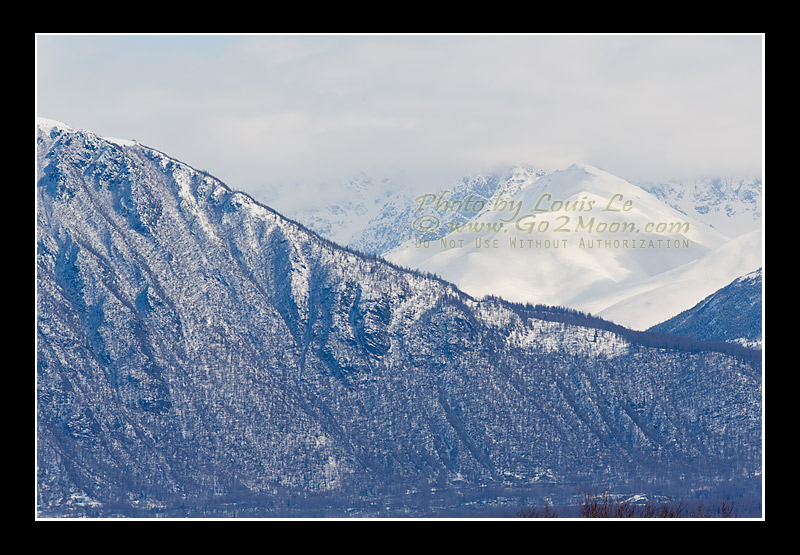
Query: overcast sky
point(262, 111)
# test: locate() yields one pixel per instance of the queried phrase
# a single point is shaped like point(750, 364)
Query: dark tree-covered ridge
point(198, 354)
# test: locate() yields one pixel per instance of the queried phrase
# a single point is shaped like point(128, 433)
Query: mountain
point(580, 238)
point(733, 313)
point(732, 205)
point(199, 354)
point(647, 302)
point(375, 217)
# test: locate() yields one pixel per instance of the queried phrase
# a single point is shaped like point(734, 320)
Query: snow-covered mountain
point(734, 206)
point(198, 354)
point(585, 239)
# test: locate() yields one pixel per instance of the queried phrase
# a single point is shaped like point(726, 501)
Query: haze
point(273, 112)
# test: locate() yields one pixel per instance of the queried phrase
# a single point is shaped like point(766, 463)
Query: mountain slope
point(199, 354)
point(647, 302)
point(579, 237)
point(733, 313)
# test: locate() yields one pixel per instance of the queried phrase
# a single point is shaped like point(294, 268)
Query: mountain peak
point(48, 125)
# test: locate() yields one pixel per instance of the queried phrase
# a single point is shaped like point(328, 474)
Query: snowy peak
point(47, 125)
point(517, 178)
point(580, 238)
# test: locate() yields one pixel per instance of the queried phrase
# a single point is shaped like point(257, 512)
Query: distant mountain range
point(733, 206)
point(200, 354)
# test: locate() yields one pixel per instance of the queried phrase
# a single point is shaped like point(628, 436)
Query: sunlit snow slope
point(584, 239)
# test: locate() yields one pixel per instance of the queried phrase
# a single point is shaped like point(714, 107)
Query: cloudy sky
point(265, 111)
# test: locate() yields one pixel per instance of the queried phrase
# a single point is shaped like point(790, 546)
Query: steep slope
point(199, 354)
point(733, 313)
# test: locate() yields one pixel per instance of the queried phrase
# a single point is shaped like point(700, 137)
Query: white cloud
point(261, 110)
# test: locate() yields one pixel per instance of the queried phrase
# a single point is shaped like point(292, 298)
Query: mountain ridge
point(711, 319)
point(196, 349)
